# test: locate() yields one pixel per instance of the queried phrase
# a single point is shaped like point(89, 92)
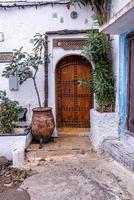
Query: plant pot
point(42, 122)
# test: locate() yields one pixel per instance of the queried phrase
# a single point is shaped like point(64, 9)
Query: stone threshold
point(120, 153)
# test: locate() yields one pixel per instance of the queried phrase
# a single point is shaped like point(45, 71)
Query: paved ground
point(10, 180)
point(71, 170)
point(61, 147)
point(14, 194)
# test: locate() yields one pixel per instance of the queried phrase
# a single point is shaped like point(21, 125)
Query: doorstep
point(120, 152)
point(73, 132)
point(62, 146)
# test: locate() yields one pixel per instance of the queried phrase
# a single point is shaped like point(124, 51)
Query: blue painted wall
point(123, 80)
point(123, 69)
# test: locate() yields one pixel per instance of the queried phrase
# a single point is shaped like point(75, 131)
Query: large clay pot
point(42, 122)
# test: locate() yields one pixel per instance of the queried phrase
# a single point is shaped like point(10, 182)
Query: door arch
point(73, 103)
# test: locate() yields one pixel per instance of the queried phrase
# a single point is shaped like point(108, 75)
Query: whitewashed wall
point(117, 5)
point(19, 26)
point(115, 60)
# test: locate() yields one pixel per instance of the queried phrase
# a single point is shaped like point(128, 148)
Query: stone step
point(61, 147)
point(120, 152)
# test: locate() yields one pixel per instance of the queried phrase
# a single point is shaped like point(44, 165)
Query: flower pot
point(42, 122)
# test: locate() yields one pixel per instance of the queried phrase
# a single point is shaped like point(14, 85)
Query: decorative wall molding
point(69, 43)
point(70, 32)
point(28, 3)
point(6, 57)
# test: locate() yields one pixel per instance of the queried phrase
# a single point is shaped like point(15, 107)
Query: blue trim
point(123, 81)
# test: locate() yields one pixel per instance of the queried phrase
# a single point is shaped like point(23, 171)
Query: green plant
point(25, 66)
point(98, 47)
point(98, 50)
point(9, 112)
point(100, 7)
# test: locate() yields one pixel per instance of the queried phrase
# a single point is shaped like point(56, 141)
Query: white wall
point(104, 126)
point(115, 61)
point(19, 26)
point(9, 143)
point(117, 5)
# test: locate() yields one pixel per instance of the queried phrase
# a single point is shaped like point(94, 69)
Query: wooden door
point(130, 121)
point(73, 102)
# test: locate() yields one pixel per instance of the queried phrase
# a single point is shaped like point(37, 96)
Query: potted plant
point(25, 66)
point(9, 139)
point(104, 119)
point(9, 113)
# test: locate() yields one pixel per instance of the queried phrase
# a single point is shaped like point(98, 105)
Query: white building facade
point(19, 23)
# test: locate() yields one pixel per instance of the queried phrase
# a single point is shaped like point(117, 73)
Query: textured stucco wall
point(9, 143)
point(115, 63)
point(116, 5)
point(128, 142)
point(103, 126)
point(19, 26)
point(120, 59)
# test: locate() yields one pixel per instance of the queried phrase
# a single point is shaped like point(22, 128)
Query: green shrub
point(98, 47)
point(9, 111)
point(98, 50)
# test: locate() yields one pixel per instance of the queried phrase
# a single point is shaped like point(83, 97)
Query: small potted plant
point(9, 138)
point(9, 113)
point(104, 119)
point(25, 66)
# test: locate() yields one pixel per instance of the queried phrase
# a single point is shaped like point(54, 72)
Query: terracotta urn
point(42, 122)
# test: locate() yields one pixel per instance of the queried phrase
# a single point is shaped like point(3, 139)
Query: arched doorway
point(73, 103)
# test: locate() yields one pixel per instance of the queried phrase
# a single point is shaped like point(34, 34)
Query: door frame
point(129, 38)
point(66, 129)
